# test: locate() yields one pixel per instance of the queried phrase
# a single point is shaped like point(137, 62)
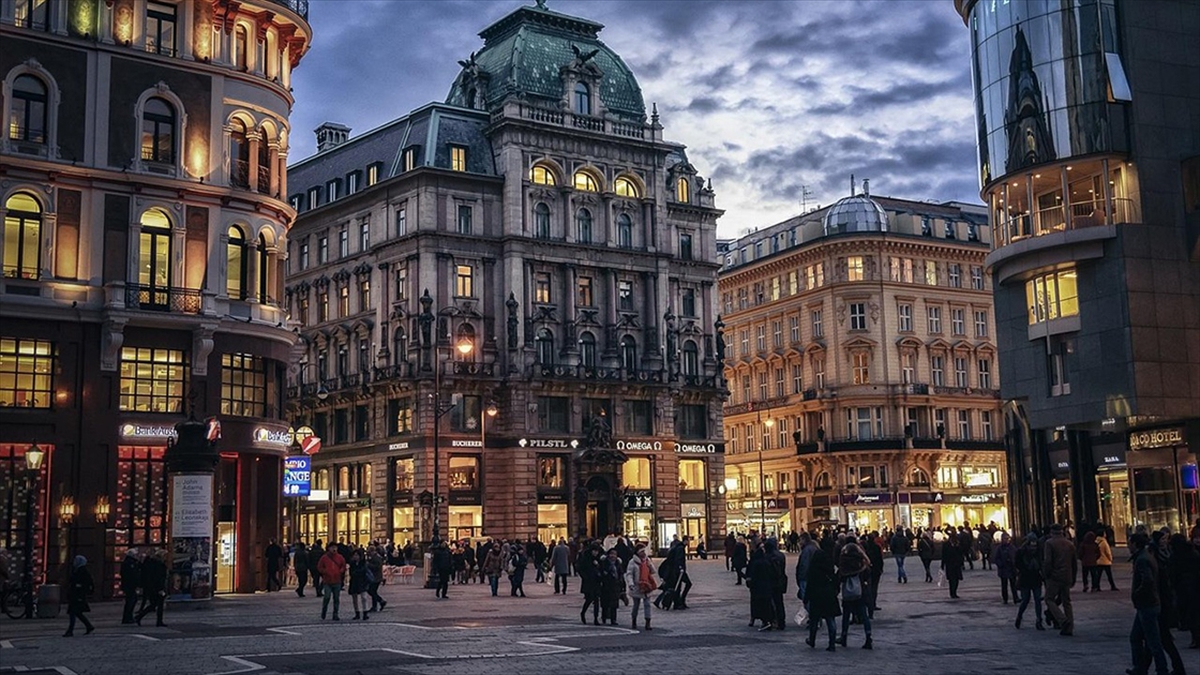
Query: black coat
point(739, 554)
point(358, 577)
point(154, 577)
point(589, 574)
point(611, 580)
point(131, 575)
point(441, 560)
point(80, 587)
point(952, 560)
point(821, 587)
point(875, 555)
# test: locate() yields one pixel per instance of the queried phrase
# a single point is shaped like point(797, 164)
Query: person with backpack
point(900, 546)
point(854, 575)
point(639, 578)
point(517, 562)
point(1028, 562)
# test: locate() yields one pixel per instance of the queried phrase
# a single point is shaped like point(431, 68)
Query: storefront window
point(691, 474)
point(14, 483)
point(639, 526)
point(354, 526)
point(551, 472)
point(402, 525)
point(26, 373)
point(464, 473)
point(403, 471)
point(635, 473)
point(1112, 488)
point(243, 385)
point(948, 476)
point(152, 380)
point(552, 522)
point(465, 521)
point(1155, 497)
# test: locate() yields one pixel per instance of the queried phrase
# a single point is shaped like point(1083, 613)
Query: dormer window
point(683, 191)
point(583, 99)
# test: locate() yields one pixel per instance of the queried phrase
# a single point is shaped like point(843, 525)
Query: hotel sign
point(1156, 438)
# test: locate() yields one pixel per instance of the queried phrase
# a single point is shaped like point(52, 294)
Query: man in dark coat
point(79, 588)
point(875, 556)
point(443, 567)
point(300, 564)
point(952, 562)
point(273, 555)
point(821, 594)
point(779, 561)
point(761, 579)
point(131, 573)
point(900, 545)
point(314, 558)
point(154, 585)
point(739, 560)
point(590, 570)
point(966, 545)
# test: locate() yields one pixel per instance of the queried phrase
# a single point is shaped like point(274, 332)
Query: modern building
point(1089, 157)
point(862, 370)
point(142, 189)
point(479, 280)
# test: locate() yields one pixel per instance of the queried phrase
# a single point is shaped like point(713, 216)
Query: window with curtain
point(22, 237)
point(158, 132)
point(235, 264)
point(27, 110)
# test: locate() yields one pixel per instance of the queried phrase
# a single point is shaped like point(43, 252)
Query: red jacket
point(332, 567)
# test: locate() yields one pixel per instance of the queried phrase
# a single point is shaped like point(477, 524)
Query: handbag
point(852, 588)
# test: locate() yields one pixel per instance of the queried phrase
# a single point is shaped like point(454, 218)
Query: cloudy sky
point(769, 96)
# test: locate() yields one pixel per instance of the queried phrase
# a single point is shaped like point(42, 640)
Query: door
point(154, 267)
point(226, 555)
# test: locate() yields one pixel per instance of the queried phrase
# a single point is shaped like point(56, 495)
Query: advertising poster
point(191, 537)
point(297, 476)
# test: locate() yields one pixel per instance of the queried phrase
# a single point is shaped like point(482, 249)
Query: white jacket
point(634, 574)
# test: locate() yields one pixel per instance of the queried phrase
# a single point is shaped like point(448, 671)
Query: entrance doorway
point(226, 555)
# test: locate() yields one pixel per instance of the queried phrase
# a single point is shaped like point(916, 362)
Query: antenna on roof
point(805, 195)
point(851, 185)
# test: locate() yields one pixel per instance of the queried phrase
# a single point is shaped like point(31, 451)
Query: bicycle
point(14, 599)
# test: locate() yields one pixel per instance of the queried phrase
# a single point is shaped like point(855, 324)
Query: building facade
point(142, 189)
point(862, 370)
point(1089, 156)
point(528, 266)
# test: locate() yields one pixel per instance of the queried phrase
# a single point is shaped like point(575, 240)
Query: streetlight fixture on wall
point(103, 509)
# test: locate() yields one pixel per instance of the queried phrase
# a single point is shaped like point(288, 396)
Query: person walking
point(442, 565)
point(870, 544)
point(79, 587)
point(300, 564)
point(1004, 559)
point(985, 543)
point(315, 553)
point(493, 565)
point(900, 546)
point(611, 584)
point(953, 560)
point(760, 580)
point(1104, 561)
point(375, 562)
point(332, 569)
point(730, 544)
point(854, 573)
point(925, 553)
point(359, 583)
point(673, 569)
point(778, 560)
point(1059, 569)
point(517, 563)
point(273, 555)
point(131, 578)
point(1028, 562)
point(1144, 638)
point(739, 559)
point(808, 548)
point(639, 578)
point(560, 560)
point(154, 586)
point(589, 582)
point(1183, 573)
point(1089, 558)
point(821, 593)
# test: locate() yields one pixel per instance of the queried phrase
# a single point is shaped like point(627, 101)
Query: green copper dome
point(523, 56)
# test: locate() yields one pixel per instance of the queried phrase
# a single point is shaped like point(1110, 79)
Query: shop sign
point(461, 443)
point(549, 443)
point(464, 499)
point(311, 445)
point(639, 500)
point(273, 436)
point(866, 499)
point(924, 497)
point(986, 498)
point(318, 495)
point(697, 448)
point(141, 432)
point(552, 498)
point(392, 447)
point(1108, 456)
point(626, 446)
point(820, 501)
point(694, 511)
point(297, 476)
point(1155, 438)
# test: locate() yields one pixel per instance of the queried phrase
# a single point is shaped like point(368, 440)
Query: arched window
point(542, 175)
point(629, 354)
point(683, 191)
point(583, 99)
point(624, 231)
point(691, 359)
point(583, 223)
point(918, 478)
point(264, 260)
point(239, 155)
point(158, 132)
point(264, 167)
point(364, 355)
point(22, 237)
point(822, 482)
point(399, 346)
point(586, 181)
point(235, 256)
point(27, 117)
point(587, 350)
point(545, 347)
point(541, 221)
point(466, 336)
point(241, 48)
point(154, 260)
point(625, 187)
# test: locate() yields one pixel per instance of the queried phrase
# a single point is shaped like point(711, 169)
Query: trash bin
point(49, 601)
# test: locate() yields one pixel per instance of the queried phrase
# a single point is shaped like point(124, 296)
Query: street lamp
point(464, 347)
point(34, 456)
point(762, 482)
point(491, 411)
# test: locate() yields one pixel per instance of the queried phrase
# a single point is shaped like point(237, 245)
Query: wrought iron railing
point(298, 6)
point(163, 299)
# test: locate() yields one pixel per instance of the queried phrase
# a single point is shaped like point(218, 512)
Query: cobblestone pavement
point(919, 629)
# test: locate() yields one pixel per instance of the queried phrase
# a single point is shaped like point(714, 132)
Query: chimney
point(331, 135)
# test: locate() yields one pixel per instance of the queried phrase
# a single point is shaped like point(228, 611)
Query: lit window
point(587, 182)
point(625, 187)
point(243, 385)
point(625, 295)
point(854, 268)
point(464, 286)
point(22, 237)
point(683, 191)
point(235, 281)
point(373, 173)
point(542, 175)
point(152, 380)
point(862, 368)
point(541, 288)
point(27, 116)
point(26, 373)
point(410, 158)
point(1052, 296)
point(931, 277)
point(458, 158)
point(584, 285)
point(344, 301)
point(158, 132)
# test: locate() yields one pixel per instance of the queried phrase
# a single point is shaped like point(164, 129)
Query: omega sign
point(639, 445)
point(696, 448)
point(1155, 438)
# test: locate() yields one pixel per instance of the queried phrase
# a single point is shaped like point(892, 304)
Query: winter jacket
point(441, 562)
point(953, 558)
point(493, 562)
point(805, 562)
point(1029, 566)
point(300, 559)
point(1089, 550)
point(1058, 560)
point(358, 577)
point(1144, 591)
point(131, 575)
point(821, 587)
point(154, 577)
point(375, 564)
point(314, 559)
point(633, 575)
point(1103, 552)
point(332, 567)
point(81, 586)
point(560, 559)
point(1004, 557)
point(589, 573)
point(900, 544)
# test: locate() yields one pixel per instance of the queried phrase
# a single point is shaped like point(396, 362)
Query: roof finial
point(541, 4)
point(851, 185)
point(654, 113)
point(866, 187)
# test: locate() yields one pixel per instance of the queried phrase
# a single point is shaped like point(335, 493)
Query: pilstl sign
point(1156, 438)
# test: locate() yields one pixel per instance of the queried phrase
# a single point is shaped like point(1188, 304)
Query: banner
point(191, 537)
point(297, 476)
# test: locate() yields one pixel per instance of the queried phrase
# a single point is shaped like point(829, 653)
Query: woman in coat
point(1004, 559)
point(80, 586)
point(359, 583)
point(589, 582)
point(642, 583)
point(761, 579)
point(493, 565)
point(154, 586)
point(953, 559)
point(1089, 554)
point(821, 595)
point(925, 553)
point(1104, 560)
point(739, 559)
point(1184, 574)
point(611, 584)
point(1029, 578)
point(854, 574)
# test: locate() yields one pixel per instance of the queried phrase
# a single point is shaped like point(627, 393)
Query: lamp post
point(464, 347)
point(34, 457)
point(762, 483)
point(491, 411)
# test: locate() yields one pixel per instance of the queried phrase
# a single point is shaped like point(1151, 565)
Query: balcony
point(298, 6)
point(264, 180)
point(896, 443)
point(964, 391)
point(240, 174)
point(163, 299)
point(395, 371)
point(1062, 218)
point(563, 118)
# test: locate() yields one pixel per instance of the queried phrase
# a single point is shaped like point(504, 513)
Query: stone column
point(255, 139)
point(274, 164)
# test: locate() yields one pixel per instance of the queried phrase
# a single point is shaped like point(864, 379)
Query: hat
point(80, 561)
point(1056, 528)
point(1032, 536)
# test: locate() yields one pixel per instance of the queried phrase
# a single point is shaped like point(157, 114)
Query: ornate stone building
point(142, 185)
point(524, 258)
point(862, 369)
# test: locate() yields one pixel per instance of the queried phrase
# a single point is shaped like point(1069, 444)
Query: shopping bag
point(941, 580)
point(801, 616)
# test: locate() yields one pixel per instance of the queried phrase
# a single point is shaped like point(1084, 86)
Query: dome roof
point(523, 54)
point(856, 213)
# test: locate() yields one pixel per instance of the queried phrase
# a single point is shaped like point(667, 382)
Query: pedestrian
point(674, 575)
point(854, 574)
point(154, 586)
point(1183, 572)
point(821, 593)
point(315, 553)
point(760, 579)
point(79, 587)
point(966, 544)
point(375, 577)
point(953, 561)
point(589, 582)
point(1145, 636)
point(612, 582)
point(779, 561)
point(730, 543)
point(300, 564)
point(517, 563)
point(1059, 569)
point(131, 572)
point(900, 546)
point(1028, 562)
point(639, 578)
point(469, 561)
point(1004, 559)
point(1104, 561)
point(560, 560)
point(739, 559)
point(1089, 558)
point(273, 555)
point(1168, 617)
point(925, 553)
point(493, 565)
point(359, 583)
point(332, 569)
point(701, 548)
point(808, 548)
point(985, 544)
point(870, 544)
point(442, 566)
